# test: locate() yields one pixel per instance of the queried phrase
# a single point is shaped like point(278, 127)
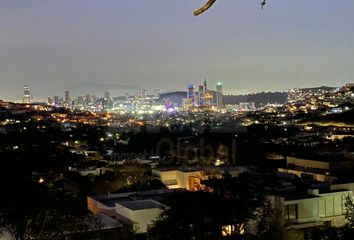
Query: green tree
point(190, 215)
point(270, 225)
point(230, 205)
point(35, 212)
point(345, 232)
point(123, 177)
point(349, 213)
point(32, 209)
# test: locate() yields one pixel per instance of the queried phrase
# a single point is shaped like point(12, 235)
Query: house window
point(291, 212)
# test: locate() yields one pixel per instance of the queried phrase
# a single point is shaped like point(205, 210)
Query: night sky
point(124, 45)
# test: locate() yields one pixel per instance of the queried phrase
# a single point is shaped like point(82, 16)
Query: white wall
point(327, 207)
point(305, 163)
point(141, 218)
point(96, 207)
point(145, 217)
point(181, 177)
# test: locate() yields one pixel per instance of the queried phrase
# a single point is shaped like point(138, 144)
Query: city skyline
point(57, 45)
point(39, 95)
point(198, 88)
point(199, 91)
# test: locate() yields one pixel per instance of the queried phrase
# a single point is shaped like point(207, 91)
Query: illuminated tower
point(50, 101)
point(67, 99)
point(219, 102)
point(205, 86)
point(157, 93)
point(107, 101)
point(201, 94)
point(26, 94)
point(58, 101)
point(208, 97)
point(191, 94)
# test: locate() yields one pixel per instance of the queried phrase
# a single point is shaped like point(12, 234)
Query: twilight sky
point(122, 45)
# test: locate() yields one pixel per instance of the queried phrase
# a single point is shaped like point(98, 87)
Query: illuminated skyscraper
point(50, 101)
point(67, 100)
point(219, 102)
point(142, 93)
point(191, 94)
point(26, 94)
point(58, 101)
point(107, 101)
point(208, 96)
point(80, 101)
point(201, 94)
point(157, 93)
point(205, 86)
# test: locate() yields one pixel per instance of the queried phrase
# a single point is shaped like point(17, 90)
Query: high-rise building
point(208, 96)
point(67, 100)
point(107, 101)
point(205, 86)
point(201, 95)
point(219, 102)
point(107, 95)
point(58, 101)
point(26, 94)
point(50, 101)
point(157, 93)
point(191, 94)
point(87, 100)
point(142, 93)
point(79, 101)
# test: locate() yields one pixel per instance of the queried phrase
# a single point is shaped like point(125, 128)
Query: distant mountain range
point(258, 98)
point(324, 88)
point(175, 97)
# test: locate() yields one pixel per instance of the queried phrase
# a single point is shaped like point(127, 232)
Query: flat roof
point(141, 204)
point(291, 196)
point(199, 168)
point(111, 202)
point(323, 191)
point(170, 182)
point(156, 195)
point(328, 158)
